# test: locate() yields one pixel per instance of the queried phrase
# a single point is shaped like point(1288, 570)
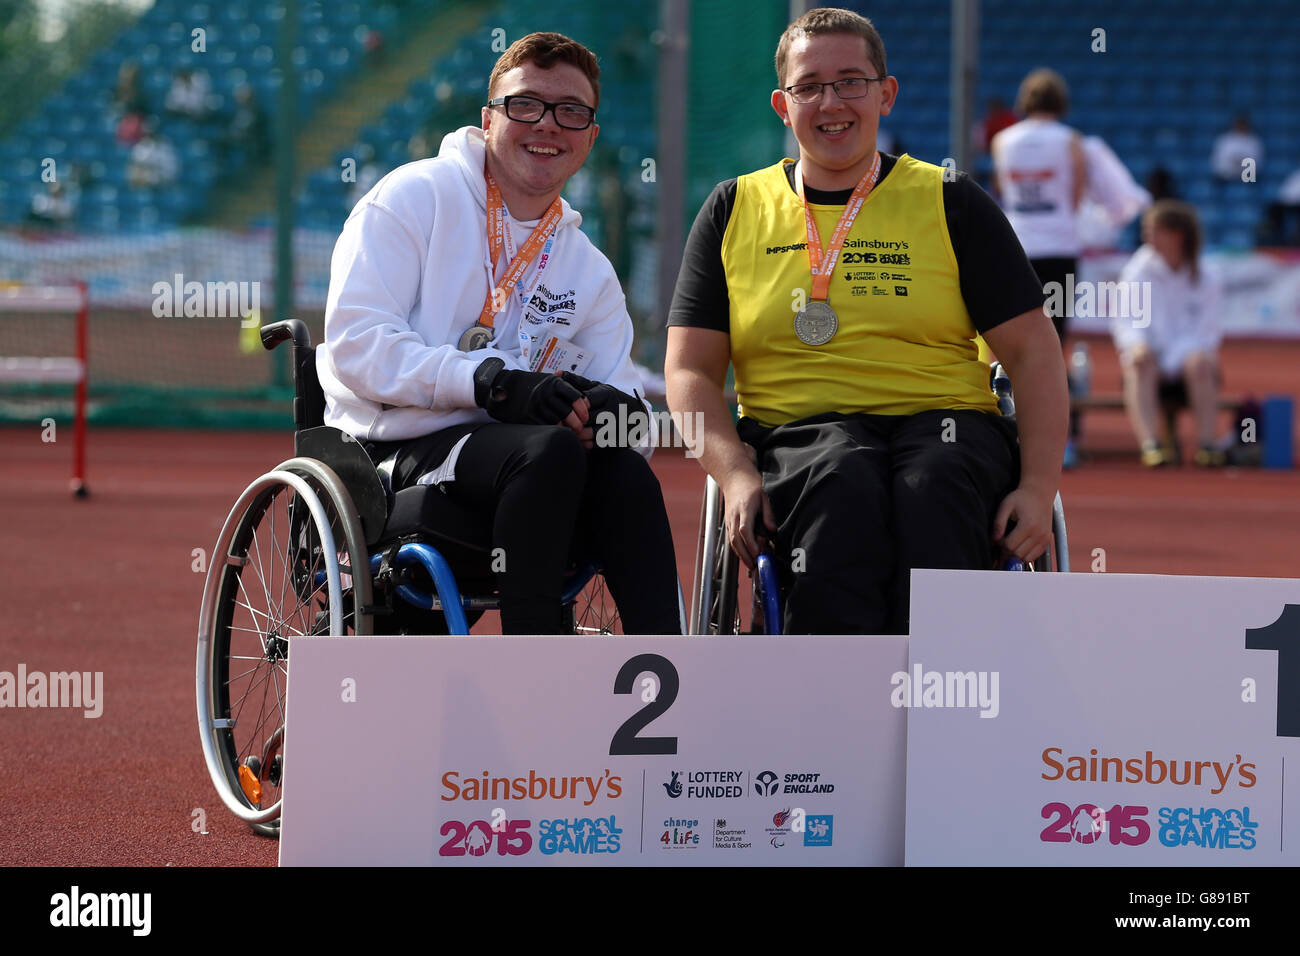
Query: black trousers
point(860, 500)
point(551, 500)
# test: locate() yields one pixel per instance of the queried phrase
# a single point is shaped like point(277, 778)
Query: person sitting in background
point(129, 104)
point(152, 162)
point(54, 207)
point(1232, 147)
point(1181, 332)
point(247, 126)
point(188, 95)
point(1161, 185)
point(1282, 219)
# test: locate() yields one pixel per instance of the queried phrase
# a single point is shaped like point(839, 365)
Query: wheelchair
point(715, 593)
point(319, 546)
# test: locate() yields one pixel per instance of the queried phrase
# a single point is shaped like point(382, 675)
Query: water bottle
point(1080, 371)
point(1002, 388)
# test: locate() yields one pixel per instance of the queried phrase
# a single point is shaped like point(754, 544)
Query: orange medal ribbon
point(496, 226)
point(823, 263)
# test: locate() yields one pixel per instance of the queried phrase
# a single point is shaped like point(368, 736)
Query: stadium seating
point(1173, 76)
point(78, 125)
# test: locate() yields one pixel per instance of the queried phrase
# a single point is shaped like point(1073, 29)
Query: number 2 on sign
point(626, 742)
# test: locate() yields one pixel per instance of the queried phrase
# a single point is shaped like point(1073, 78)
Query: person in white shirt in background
point(1234, 146)
point(189, 94)
point(1180, 334)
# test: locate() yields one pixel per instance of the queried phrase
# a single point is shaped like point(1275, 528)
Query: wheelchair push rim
point(275, 574)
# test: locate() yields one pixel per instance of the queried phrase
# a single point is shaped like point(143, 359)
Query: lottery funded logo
point(674, 786)
point(680, 834)
point(779, 832)
point(819, 829)
point(730, 836)
point(706, 784)
point(579, 835)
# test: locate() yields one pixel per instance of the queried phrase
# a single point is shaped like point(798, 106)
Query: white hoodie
point(410, 273)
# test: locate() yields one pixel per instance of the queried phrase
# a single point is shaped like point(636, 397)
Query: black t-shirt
point(997, 281)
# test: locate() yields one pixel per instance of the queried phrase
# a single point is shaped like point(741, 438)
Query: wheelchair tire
point(717, 571)
point(297, 531)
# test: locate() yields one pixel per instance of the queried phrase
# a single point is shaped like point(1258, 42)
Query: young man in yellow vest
point(847, 289)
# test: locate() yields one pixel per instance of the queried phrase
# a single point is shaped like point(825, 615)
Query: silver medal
point(816, 323)
point(474, 338)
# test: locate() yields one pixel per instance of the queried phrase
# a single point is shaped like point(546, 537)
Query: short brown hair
point(823, 20)
point(547, 49)
point(1043, 91)
point(1180, 217)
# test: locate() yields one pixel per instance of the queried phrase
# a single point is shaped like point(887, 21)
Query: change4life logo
point(680, 834)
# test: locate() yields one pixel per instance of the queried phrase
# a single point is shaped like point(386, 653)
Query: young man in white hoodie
point(460, 286)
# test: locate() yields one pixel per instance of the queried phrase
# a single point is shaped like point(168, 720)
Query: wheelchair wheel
point(714, 608)
point(593, 610)
point(290, 561)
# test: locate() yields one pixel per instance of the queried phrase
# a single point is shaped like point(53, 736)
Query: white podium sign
point(510, 751)
point(1132, 720)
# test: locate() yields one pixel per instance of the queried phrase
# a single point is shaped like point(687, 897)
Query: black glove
point(603, 398)
point(522, 398)
point(629, 423)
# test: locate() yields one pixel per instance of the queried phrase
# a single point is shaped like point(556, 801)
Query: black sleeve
point(700, 299)
point(997, 281)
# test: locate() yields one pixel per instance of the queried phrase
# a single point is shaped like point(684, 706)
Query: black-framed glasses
point(529, 109)
point(849, 88)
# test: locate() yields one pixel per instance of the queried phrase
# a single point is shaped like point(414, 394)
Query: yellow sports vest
point(905, 342)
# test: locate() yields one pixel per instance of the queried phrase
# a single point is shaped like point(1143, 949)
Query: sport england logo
point(769, 784)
